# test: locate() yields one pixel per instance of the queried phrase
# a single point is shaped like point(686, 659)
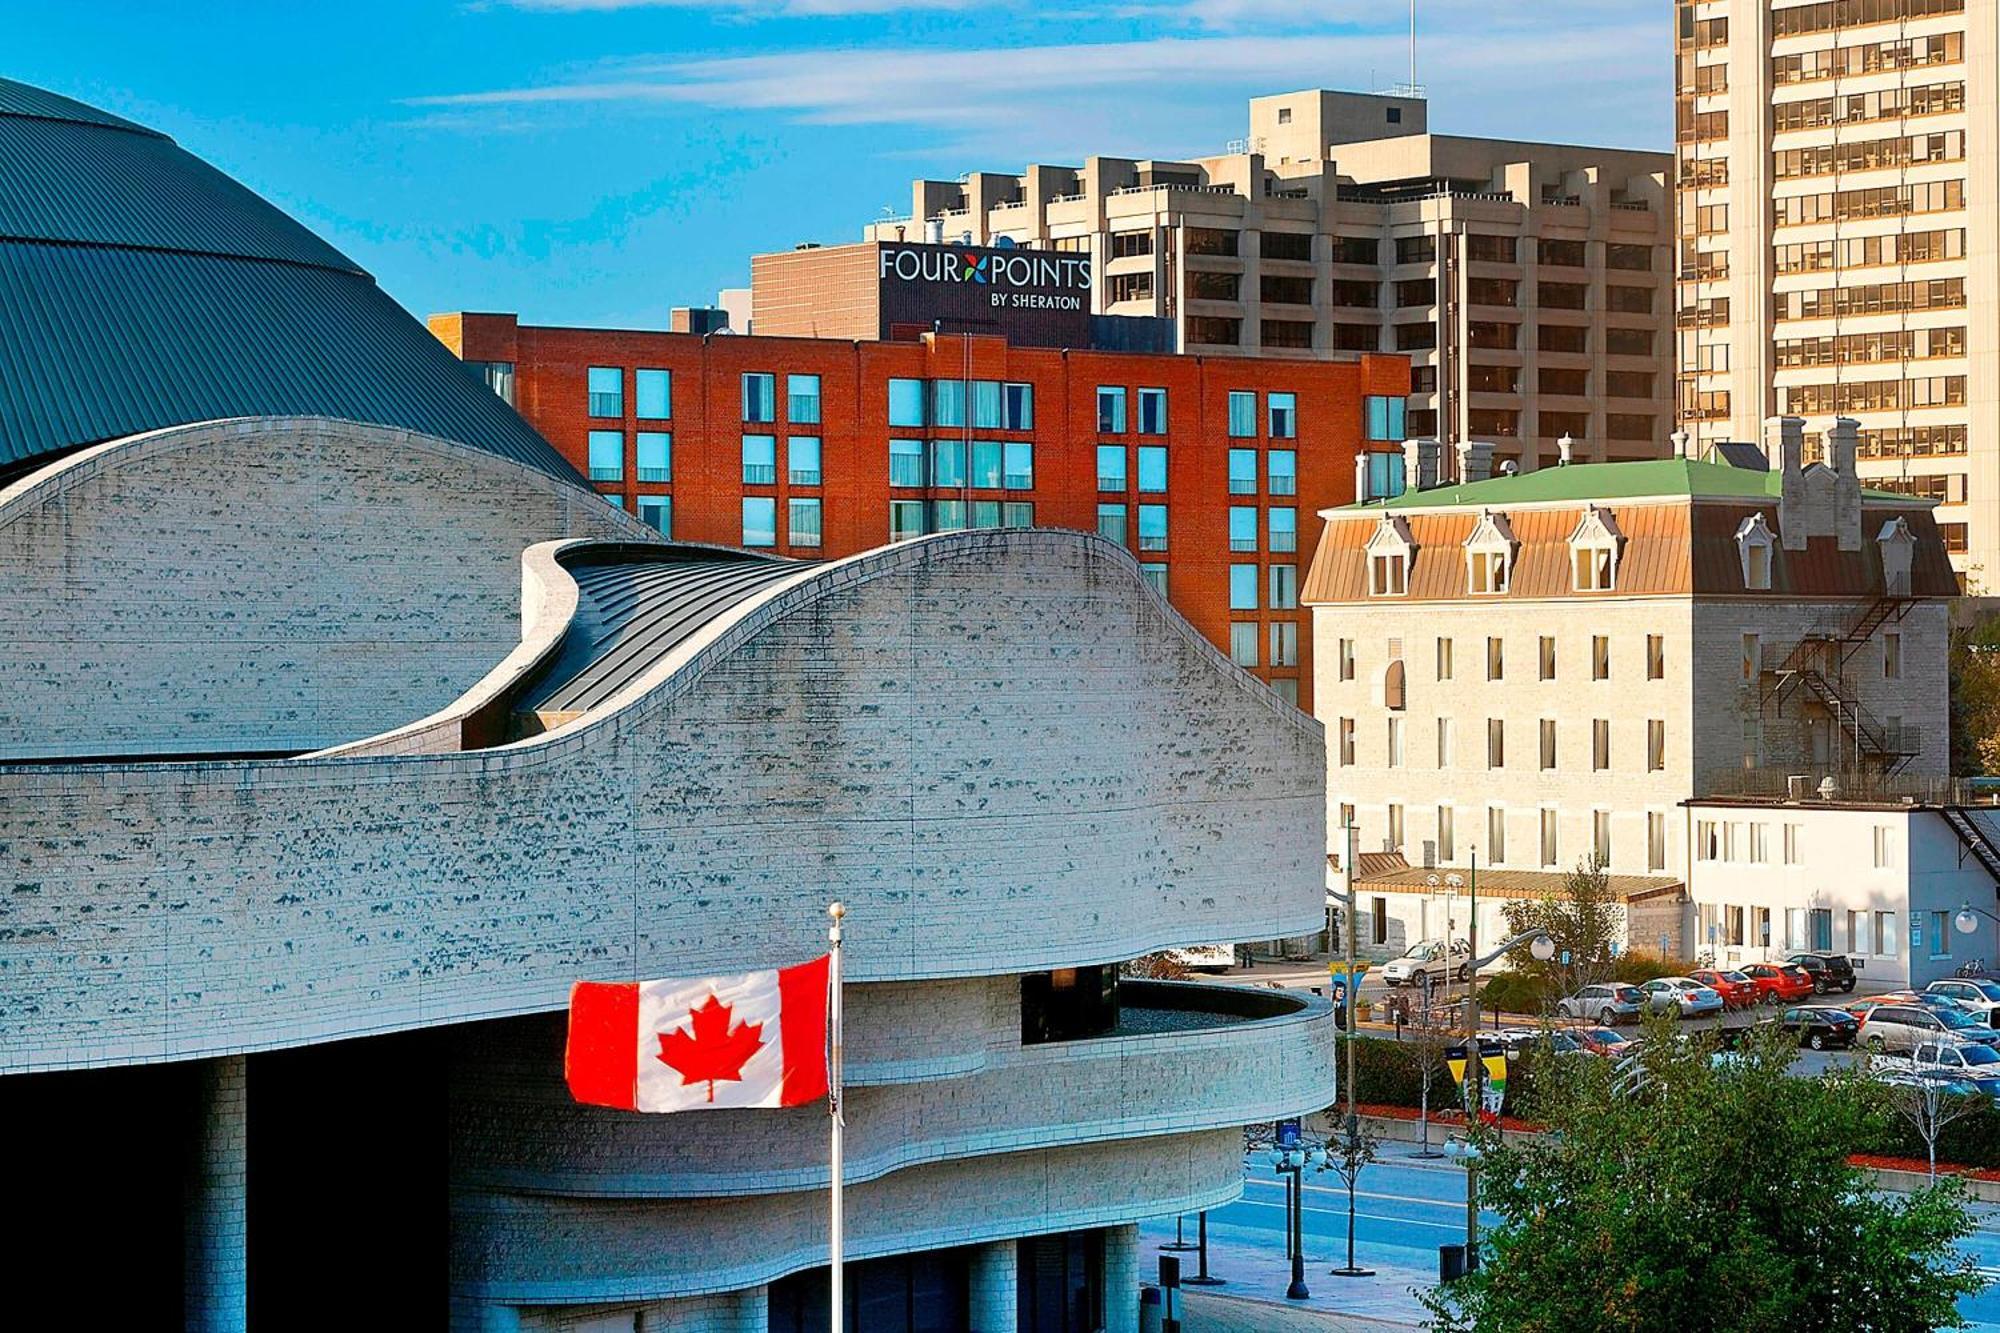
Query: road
point(1405, 1210)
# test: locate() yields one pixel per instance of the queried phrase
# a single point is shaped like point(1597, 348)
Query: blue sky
point(600, 161)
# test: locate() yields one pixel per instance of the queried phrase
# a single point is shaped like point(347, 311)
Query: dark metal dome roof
point(142, 288)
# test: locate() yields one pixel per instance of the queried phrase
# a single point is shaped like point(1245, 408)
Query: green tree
point(1975, 698)
point(1583, 917)
point(1686, 1192)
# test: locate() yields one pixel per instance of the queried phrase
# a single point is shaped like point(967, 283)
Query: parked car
point(1428, 958)
point(1603, 1041)
point(1821, 1027)
point(1965, 1061)
point(1899, 1028)
point(1978, 998)
point(1737, 990)
point(1613, 1002)
point(1777, 982)
point(1828, 972)
point(1684, 997)
point(1910, 1078)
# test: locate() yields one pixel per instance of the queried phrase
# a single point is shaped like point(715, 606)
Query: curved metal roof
point(143, 288)
point(634, 606)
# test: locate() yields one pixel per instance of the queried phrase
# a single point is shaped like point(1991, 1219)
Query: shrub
point(1518, 993)
point(1638, 966)
point(1385, 1074)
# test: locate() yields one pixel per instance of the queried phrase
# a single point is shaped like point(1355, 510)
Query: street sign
point(1288, 1133)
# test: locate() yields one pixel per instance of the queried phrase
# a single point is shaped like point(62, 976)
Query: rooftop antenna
point(1413, 43)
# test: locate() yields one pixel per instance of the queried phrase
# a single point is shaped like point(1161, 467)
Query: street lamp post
point(1967, 920)
point(1543, 947)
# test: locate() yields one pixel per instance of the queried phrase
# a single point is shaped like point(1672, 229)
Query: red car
point(1737, 990)
point(1774, 982)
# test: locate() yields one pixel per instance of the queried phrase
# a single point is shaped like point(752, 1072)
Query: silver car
point(1611, 1003)
point(1900, 1028)
point(1977, 997)
point(1684, 997)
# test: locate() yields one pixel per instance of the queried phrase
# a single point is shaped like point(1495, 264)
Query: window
point(1110, 410)
point(986, 404)
point(906, 520)
point(607, 391)
point(1152, 467)
point(1242, 414)
point(1496, 658)
point(1444, 659)
point(906, 403)
point(1385, 417)
point(1656, 745)
point(760, 460)
point(1019, 456)
point(1284, 528)
point(1445, 850)
point(947, 462)
point(1283, 411)
point(1395, 822)
point(1155, 576)
point(1754, 541)
point(1242, 471)
point(947, 515)
point(1285, 644)
point(1111, 522)
point(803, 522)
point(1892, 656)
point(656, 455)
point(1885, 934)
point(1388, 574)
point(1760, 848)
point(802, 460)
point(1344, 655)
point(1548, 657)
point(1281, 468)
point(658, 512)
point(1487, 571)
point(1284, 587)
point(1600, 657)
point(653, 394)
point(1752, 651)
point(1885, 846)
point(1600, 744)
point(1242, 528)
point(1285, 688)
point(1496, 742)
point(1152, 411)
point(1243, 651)
point(1548, 838)
point(1110, 467)
point(1790, 838)
point(1018, 404)
point(1496, 834)
point(1940, 934)
point(1656, 657)
point(986, 465)
point(607, 455)
point(1243, 587)
point(1346, 723)
point(760, 520)
point(1548, 731)
point(1152, 527)
point(760, 395)
point(906, 462)
point(802, 399)
point(1445, 739)
point(1656, 840)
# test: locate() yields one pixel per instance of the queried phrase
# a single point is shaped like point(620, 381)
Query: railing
point(1007, 204)
point(1632, 206)
point(1859, 785)
point(1184, 186)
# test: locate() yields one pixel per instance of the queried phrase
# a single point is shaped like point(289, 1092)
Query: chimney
point(1420, 464)
point(1785, 440)
point(1843, 441)
point(1681, 441)
point(1565, 450)
point(1361, 494)
point(1475, 460)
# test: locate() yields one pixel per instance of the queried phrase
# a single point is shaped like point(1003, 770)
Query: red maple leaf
point(713, 1053)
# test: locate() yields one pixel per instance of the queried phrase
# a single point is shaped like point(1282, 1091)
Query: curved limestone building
point(335, 744)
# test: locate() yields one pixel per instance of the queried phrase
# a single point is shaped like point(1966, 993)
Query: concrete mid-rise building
point(1839, 238)
point(1528, 282)
point(334, 750)
point(1542, 667)
point(1211, 470)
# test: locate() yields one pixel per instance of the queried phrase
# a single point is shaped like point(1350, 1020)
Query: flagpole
point(836, 1113)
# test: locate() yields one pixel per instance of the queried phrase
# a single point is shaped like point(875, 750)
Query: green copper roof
point(1662, 478)
point(142, 288)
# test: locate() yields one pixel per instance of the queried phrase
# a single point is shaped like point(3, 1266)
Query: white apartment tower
point(1836, 210)
point(1528, 283)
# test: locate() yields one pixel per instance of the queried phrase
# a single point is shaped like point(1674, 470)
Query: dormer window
point(1897, 546)
point(1389, 552)
point(1755, 543)
point(1594, 552)
point(1489, 555)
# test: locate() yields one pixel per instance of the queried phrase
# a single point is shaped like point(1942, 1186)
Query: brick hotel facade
point(1212, 471)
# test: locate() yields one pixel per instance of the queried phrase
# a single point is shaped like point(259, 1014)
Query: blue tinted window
point(906, 402)
point(654, 394)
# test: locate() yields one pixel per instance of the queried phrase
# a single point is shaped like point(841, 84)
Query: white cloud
point(743, 8)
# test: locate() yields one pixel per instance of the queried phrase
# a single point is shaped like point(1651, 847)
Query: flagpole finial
point(836, 910)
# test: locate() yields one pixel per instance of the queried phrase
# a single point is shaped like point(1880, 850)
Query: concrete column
point(995, 1283)
point(216, 1214)
point(1121, 1279)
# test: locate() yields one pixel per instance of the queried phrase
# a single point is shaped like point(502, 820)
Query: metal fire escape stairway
point(1974, 839)
point(1817, 665)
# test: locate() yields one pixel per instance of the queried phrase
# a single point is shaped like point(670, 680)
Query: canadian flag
point(753, 1040)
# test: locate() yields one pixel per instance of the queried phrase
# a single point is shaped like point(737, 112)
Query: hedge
point(1385, 1074)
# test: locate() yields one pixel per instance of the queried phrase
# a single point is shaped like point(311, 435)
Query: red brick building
point(1211, 470)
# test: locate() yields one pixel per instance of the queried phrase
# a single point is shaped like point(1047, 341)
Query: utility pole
point(1475, 1063)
